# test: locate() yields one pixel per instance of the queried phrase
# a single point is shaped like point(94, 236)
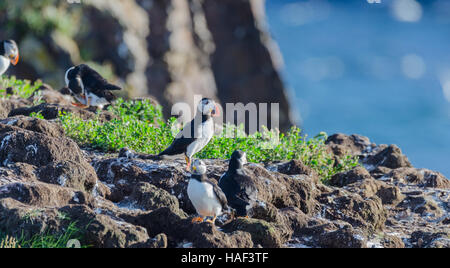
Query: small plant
point(140, 126)
point(21, 88)
point(44, 240)
point(37, 115)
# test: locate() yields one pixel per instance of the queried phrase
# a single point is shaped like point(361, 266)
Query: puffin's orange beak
point(216, 111)
point(15, 60)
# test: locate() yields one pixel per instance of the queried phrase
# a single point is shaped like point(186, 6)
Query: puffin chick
point(237, 186)
point(207, 198)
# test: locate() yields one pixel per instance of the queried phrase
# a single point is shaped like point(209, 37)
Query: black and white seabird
point(9, 53)
point(89, 87)
point(206, 196)
point(191, 139)
point(238, 186)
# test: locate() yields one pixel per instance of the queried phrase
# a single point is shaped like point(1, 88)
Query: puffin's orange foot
point(80, 105)
point(213, 221)
point(197, 220)
point(188, 163)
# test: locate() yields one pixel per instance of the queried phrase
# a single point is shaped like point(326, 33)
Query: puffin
point(9, 53)
point(206, 196)
point(191, 139)
point(238, 187)
point(89, 87)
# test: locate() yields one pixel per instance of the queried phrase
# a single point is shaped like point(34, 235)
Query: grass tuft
point(21, 88)
point(43, 240)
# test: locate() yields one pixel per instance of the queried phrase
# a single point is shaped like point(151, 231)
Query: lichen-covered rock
point(36, 125)
point(390, 157)
point(7, 105)
point(341, 144)
point(368, 214)
point(44, 195)
point(422, 177)
point(268, 235)
point(149, 197)
point(345, 237)
point(36, 149)
point(77, 175)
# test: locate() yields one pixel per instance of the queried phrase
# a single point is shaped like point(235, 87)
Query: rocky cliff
point(48, 182)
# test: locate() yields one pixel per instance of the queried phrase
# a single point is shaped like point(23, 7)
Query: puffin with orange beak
point(195, 135)
point(9, 53)
point(191, 139)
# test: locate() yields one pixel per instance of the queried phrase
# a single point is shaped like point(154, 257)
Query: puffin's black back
point(2, 48)
point(94, 81)
point(238, 188)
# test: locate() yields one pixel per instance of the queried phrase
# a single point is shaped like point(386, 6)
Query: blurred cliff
point(167, 49)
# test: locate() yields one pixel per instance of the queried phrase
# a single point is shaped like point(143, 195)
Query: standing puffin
point(237, 186)
point(207, 198)
point(89, 87)
point(9, 53)
point(192, 138)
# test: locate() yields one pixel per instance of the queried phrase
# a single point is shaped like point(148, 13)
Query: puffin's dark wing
point(94, 81)
point(180, 143)
point(248, 191)
point(75, 86)
point(240, 191)
point(105, 94)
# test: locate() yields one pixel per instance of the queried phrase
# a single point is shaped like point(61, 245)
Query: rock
point(355, 175)
point(36, 149)
point(421, 177)
point(96, 230)
point(390, 157)
point(149, 197)
point(359, 180)
point(368, 214)
point(390, 241)
point(36, 125)
point(341, 144)
point(179, 230)
point(263, 233)
point(48, 95)
point(422, 239)
point(346, 237)
point(159, 241)
point(7, 105)
point(295, 167)
point(77, 175)
point(422, 205)
point(52, 111)
point(44, 195)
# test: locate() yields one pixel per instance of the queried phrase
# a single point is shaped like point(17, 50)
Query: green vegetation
point(140, 126)
point(44, 240)
point(20, 88)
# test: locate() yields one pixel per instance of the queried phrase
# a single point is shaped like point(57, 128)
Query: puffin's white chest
point(204, 199)
point(4, 65)
point(203, 134)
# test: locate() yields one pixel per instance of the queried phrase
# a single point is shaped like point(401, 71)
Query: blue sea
point(379, 70)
